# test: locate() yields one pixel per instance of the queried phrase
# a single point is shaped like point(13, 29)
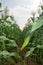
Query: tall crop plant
point(9, 39)
point(16, 44)
point(34, 40)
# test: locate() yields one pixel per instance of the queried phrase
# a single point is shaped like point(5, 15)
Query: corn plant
point(16, 44)
point(9, 39)
point(34, 40)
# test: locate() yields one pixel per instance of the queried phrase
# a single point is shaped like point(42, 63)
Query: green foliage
point(36, 40)
point(37, 25)
point(11, 39)
point(30, 52)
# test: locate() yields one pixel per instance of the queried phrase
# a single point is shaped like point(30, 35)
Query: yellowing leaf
point(25, 42)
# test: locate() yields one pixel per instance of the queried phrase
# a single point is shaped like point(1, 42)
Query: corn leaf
point(6, 53)
point(37, 25)
point(12, 43)
point(3, 38)
point(29, 52)
point(25, 42)
point(10, 59)
point(40, 46)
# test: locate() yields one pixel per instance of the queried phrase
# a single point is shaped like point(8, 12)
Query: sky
point(21, 9)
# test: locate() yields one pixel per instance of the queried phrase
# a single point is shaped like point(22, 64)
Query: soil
point(29, 63)
point(22, 63)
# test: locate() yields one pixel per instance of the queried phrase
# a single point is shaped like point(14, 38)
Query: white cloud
point(23, 11)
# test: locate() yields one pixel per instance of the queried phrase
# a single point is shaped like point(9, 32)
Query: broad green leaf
point(3, 38)
point(30, 52)
point(25, 42)
point(6, 53)
point(15, 54)
point(36, 25)
point(40, 46)
point(12, 43)
point(8, 56)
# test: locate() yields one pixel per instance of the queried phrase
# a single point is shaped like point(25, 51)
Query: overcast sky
point(21, 9)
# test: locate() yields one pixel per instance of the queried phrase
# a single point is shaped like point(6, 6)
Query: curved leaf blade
point(37, 25)
point(29, 52)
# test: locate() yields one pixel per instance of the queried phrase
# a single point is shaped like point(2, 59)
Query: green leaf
point(37, 25)
point(15, 54)
point(3, 45)
point(29, 52)
point(10, 59)
point(6, 53)
point(25, 42)
point(40, 46)
point(3, 38)
point(12, 43)
point(8, 56)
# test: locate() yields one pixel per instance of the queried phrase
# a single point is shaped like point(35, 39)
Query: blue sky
point(21, 9)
